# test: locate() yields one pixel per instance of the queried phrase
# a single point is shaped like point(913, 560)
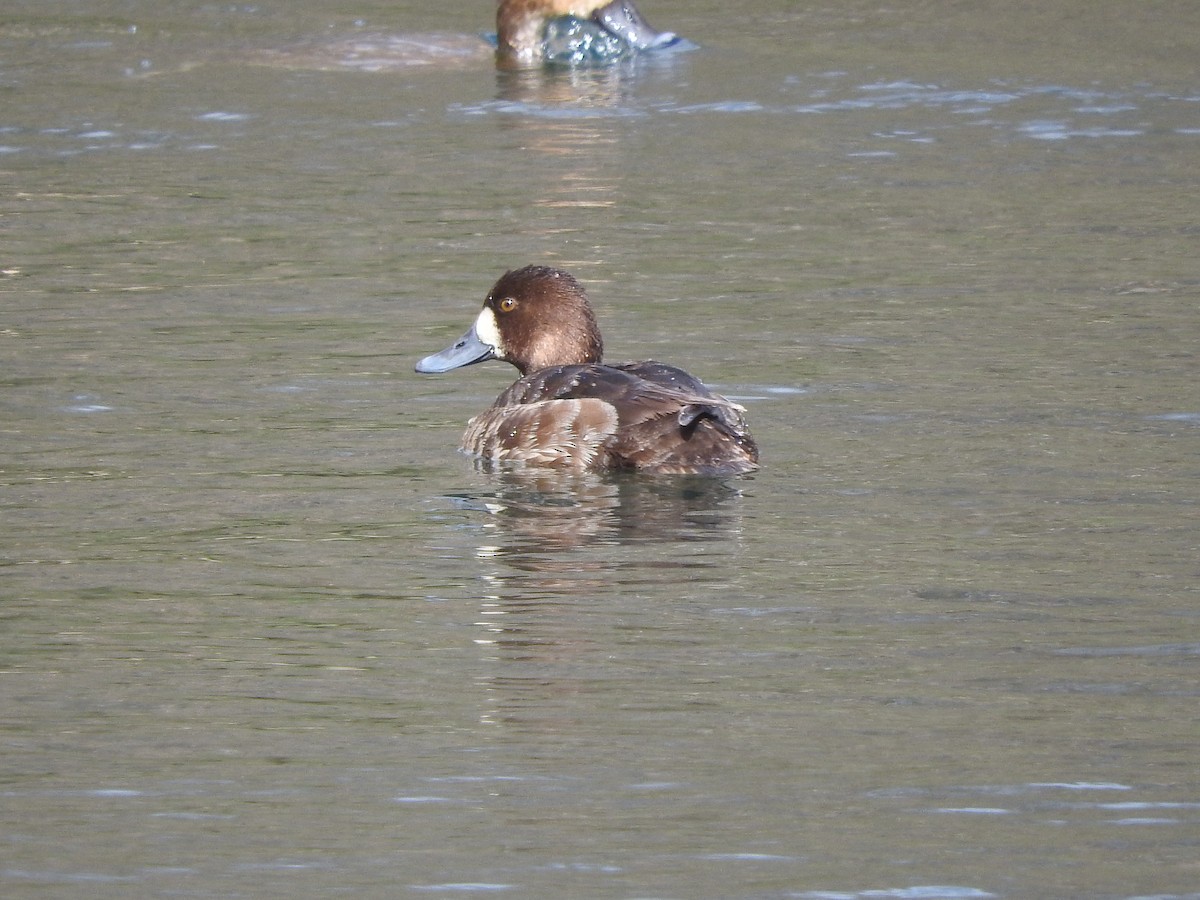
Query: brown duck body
point(571, 411)
point(639, 415)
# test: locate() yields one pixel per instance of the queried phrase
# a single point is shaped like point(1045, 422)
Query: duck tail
point(727, 415)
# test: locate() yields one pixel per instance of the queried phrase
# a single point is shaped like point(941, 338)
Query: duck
point(521, 29)
point(571, 411)
point(529, 34)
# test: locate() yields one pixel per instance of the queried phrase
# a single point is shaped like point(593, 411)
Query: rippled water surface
point(265, 634)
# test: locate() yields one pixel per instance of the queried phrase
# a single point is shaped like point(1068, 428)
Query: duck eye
point(508, 304)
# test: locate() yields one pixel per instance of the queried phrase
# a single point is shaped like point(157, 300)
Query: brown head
point(534, 318)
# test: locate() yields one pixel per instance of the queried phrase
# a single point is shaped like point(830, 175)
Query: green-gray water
point(266, 635)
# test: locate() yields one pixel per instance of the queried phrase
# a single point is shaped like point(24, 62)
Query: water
point(267, 635)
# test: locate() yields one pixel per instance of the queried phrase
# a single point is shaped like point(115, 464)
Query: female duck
point(571, 411)
point(521, 26)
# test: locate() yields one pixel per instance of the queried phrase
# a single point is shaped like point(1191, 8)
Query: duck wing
point(672, 423)
point(643, 415)
point(661, 381)
point(564, 434)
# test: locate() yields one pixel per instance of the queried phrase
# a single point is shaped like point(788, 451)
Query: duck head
point(533, 317)
point(521, 25)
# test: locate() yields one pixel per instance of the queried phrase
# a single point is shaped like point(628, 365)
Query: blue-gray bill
point(623, 19)
point(467, 350)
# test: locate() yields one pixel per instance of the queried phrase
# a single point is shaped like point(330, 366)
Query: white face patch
point(488, 331)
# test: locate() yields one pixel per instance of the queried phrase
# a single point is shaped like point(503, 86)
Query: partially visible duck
point(529, 33)
point(521, 26)
point(571, 411)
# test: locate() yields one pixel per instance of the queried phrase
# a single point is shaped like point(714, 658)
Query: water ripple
point(917, 892)
point(1062, 114)
point(1147, 650)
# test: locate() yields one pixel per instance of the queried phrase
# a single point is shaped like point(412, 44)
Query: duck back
point(645, 415)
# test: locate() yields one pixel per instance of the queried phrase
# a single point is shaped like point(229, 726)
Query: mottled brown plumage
point(569, 410)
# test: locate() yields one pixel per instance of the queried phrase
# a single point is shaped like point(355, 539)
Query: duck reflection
point(568, 567)
point(543, 511)
point(572, 118)
point(557, 96)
